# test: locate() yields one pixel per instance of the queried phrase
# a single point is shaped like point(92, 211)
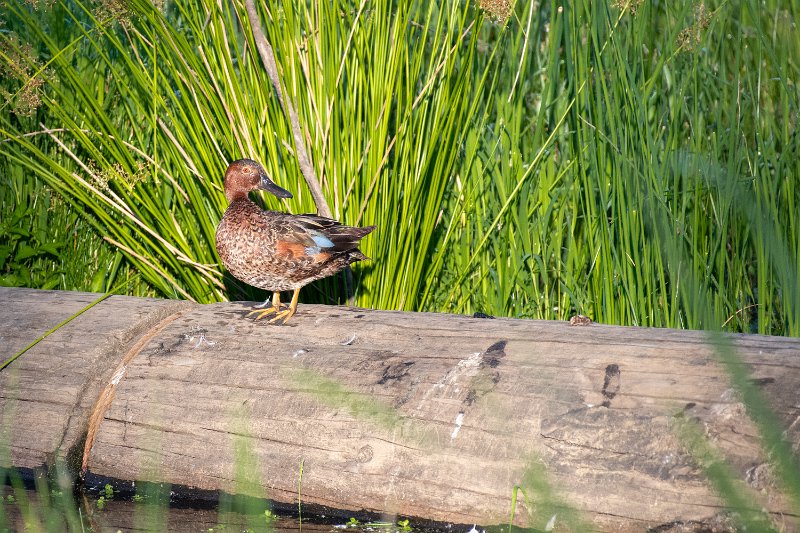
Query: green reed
point(682, 110)
point(47, 244)
point(146, 108)
point(511, 168)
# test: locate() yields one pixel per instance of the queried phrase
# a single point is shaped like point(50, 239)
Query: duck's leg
point(275, 308)
point(287, 314)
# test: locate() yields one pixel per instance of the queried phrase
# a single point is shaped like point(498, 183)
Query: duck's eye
point(247, 170)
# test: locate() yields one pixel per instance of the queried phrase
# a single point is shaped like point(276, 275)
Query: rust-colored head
point(245, 175)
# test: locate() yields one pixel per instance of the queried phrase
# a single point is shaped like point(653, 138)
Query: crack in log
point(149, 426)
point(399, 445)
point(36, 401)
point(594, 448)
point(268, 439)
point(154, 451)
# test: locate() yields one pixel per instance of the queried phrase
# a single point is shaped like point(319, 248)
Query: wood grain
point(464, 406)
point(47, 394)
point(441, 416)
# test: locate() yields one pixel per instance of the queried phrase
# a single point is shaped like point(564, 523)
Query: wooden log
point(47, 395)
point(425, 415)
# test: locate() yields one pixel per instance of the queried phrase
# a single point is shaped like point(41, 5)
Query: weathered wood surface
point(46, 396)
point(427, 415)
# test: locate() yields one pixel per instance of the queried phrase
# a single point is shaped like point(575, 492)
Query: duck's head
point(245, 175)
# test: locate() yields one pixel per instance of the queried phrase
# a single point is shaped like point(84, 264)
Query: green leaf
point(98, 282)
point(51, 283)
point(11, 280)
point(51, 248)
point(25, 251)
point(19, 232)
point(5, 252)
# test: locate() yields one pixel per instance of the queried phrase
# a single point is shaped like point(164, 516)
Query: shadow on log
point(424, 415)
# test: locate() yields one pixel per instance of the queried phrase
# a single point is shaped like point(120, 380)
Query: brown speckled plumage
point(279, 251)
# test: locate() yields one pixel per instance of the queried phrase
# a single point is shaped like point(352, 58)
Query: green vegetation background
point(633, 161)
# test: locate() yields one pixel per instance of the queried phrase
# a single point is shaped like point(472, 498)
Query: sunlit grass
point(48, 244)
point(511, 168)
point(144, 117)
point(676, 111)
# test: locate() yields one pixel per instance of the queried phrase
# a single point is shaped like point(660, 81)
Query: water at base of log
point(102, 508)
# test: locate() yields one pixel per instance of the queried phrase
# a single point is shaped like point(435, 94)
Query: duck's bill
point(267, 185)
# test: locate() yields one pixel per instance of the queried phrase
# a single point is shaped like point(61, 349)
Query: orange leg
point(276, 307)
point(288, 313)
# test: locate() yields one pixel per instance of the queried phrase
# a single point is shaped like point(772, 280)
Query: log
point(425, 415)
point(47, 395)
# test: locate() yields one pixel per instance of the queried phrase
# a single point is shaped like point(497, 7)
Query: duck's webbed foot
point(268, 307)
point(286, 314)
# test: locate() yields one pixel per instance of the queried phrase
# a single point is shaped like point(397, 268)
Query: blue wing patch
point(321, 241)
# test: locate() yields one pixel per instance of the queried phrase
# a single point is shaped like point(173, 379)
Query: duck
point(279, 251)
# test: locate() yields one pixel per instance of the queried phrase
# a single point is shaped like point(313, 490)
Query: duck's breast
point(246, 246)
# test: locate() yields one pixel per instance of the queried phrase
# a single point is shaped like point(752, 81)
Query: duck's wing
point(315, 236)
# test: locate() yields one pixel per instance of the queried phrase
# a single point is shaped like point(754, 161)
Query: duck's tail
point(345, 239)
